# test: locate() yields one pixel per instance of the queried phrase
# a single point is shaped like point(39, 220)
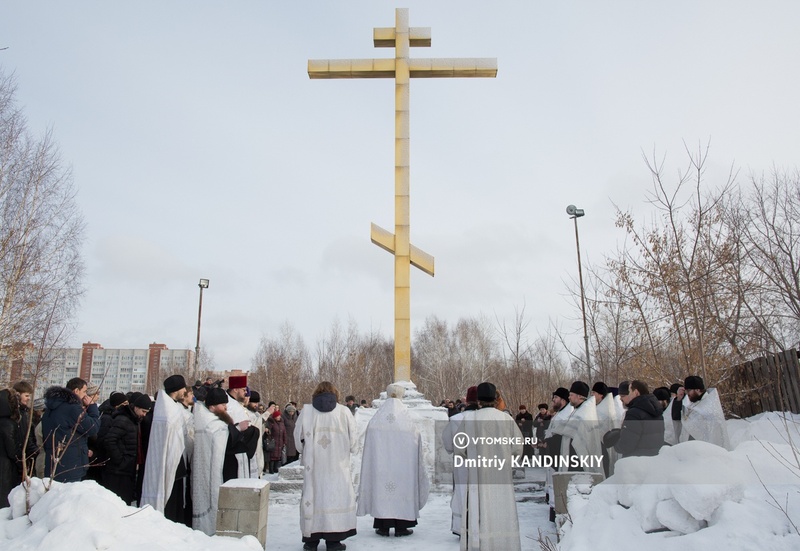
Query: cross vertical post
point(402, 68)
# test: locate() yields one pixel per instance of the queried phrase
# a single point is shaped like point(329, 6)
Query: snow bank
point(699, 496)
point(87, 516)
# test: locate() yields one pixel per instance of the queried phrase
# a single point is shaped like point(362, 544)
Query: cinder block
point(227, 520)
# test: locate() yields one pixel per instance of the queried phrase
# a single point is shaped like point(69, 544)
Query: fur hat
point(174, 383)
point(694, 382)
point(395, 391)
point(542, 406)
point(289, 408)
point(600, 388)
point(580, 388)
point(522, 407)
point(143, 402)
point(487, 392)
point(562, 393)
point(216, 396)
point(661, 393)
point(237, 381)
point(472, 394)
point(92, 390)
point(673, 389)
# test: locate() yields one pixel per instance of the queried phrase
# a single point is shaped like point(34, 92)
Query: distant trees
point(41, 233)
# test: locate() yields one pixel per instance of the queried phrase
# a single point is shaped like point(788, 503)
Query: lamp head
point(203, 284)
point(572, 210)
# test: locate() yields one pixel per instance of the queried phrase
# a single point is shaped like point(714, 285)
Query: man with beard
point(237, 394)
point(552, 438)
point(580, 434)
point(124, 447)
point(166, 471)
point(217, 443)
point(702, 417)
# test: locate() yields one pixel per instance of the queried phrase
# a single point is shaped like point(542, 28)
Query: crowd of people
point(148, 450)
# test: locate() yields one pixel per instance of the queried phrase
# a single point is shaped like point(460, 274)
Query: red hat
point(472, 394)
point(237, 381)
point(276, 414)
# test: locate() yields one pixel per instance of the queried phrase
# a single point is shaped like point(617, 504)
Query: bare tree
point(41, 231)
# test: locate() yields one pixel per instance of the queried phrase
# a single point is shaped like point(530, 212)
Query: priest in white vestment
point(702, 417)
point(166, 474)
point(394, 484)
point(326, 435)
point(257, 421)
point(608, 419)
point(552, 438)
point(580, 435)
point(490, 521)
point(459, 498)
point(237, 389)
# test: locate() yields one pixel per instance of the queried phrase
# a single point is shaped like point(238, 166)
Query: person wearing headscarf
point(289, 421)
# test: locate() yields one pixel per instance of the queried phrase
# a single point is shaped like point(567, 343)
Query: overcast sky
point(201, 149)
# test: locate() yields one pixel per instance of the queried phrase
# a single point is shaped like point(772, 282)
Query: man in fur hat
point(217, 442)
point(394, 485)
point(490, 521)
point(165, 484)
point(702, 417)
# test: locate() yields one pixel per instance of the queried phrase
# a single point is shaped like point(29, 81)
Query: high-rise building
point(121, 369)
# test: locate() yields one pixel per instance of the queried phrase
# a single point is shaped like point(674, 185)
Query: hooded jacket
point(642, 430)
point(66, 423)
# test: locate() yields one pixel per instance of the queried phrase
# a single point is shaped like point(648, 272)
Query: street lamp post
point(203, 285)
point(576, 213)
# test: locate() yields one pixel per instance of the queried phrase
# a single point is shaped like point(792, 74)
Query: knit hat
point(580, 388)
point(117, 399)
point(673, 389)
point(694, 382)
point(624, 388)
point(173, 383)
point(289, 408)
point(487, 392)
point(255, 397)
point(600, 388)
point(276, 414)
point(562, 393)
point(472, 394)
point(237, 381)
point(216, 396)
point(522, 407)
point(143, 402)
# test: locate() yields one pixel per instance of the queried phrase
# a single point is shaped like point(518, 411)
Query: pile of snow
point(87, 516)
point(698, 495)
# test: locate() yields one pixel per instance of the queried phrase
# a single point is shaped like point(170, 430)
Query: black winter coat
point(642, 430)
point(9, 430)
point(121, 442)
point(63, 413)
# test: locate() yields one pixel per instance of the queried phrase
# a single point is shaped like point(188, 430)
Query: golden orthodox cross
point(402, 68)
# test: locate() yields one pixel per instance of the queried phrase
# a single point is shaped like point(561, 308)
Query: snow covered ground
point(691, 496)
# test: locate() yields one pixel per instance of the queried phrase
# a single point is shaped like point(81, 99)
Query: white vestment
point(608, 419)
point(490, 521)
point(167, 444)
point(581, 431)
point(459, 473)
point(393, 483)
point(558, 421)
point(257, 461)
point(326, 440)
point(704, 420)
point(670, 425)
point(238, 413)
point(211, 439)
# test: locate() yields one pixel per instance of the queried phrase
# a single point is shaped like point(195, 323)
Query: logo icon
point(460, 440)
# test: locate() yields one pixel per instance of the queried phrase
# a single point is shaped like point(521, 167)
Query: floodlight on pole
point(203, 285)
point(576, 213)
